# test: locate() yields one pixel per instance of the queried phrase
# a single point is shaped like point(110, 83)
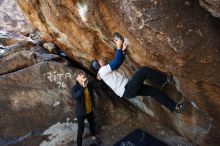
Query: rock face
point(12, 18)
point(35, 94)
point(177, 37)
point(213, 6)
point(28, 92)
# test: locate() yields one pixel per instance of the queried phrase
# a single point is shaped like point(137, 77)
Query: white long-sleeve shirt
point(113, 79)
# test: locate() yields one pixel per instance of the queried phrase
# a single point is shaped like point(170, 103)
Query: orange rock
point(84, 32)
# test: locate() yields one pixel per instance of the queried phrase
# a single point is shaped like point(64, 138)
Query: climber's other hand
point(98, 77)
point(125, 44)
point(118, 43)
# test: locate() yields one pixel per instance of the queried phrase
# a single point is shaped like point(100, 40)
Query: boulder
point(213, 6)
point(28, 95)
point(35, 94)
point(12, 18)
point(177, 37)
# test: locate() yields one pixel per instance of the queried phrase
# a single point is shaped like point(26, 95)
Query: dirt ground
point(112, 135)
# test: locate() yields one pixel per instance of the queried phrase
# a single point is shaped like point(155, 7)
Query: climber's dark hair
point(95, 66)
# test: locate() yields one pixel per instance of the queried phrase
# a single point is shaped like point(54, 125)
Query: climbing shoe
point(170, 80)
point(97, 141)
point(181, 107)
point(117, 36)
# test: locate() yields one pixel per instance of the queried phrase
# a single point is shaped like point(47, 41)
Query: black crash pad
point(139, 138)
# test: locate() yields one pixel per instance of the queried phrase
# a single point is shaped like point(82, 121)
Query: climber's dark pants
point(80, 120)
point(135, 87)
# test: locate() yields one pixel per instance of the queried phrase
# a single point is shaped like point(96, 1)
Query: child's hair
point(77, 72)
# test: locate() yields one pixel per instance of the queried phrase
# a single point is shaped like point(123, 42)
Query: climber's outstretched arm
point(118, 60)
point(119, 54)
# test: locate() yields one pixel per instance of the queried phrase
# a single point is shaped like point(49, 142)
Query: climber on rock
point(135, 86)
point(82, 92)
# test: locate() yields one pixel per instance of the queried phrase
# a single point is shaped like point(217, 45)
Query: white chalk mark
point(63, 85)
point(82, 11)
point(2, 51)
point(56, 103)
point(49, 76)
point(54, 76)
point(59, 76)
point(60, 84)
point(194, 105)
point(67, 75)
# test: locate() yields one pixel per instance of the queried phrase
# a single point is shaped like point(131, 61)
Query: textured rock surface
point(12, 18)
point(35, 94)
point(213, 6)
point(27, 95)
point(171, 36)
